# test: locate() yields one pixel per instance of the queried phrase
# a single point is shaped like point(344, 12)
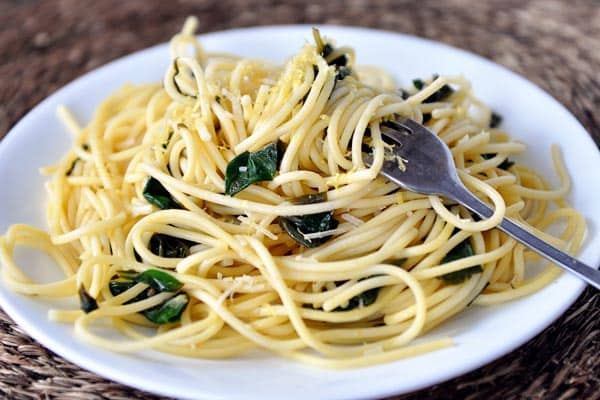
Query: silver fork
point(430, 170)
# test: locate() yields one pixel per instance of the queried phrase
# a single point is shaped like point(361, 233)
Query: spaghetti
point(230, 209)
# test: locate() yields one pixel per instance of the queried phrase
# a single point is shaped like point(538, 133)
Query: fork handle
point(463, 196)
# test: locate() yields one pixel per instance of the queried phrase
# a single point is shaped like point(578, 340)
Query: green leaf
point(310, 198)
point(118, 287)
point(327, 50)
point(248, 168)
point(72, 167)
point(298, 225)
point(505, 165)
point(495, 120)
point(342, 72)
point(156, 194)
point(340, 61)
point(86, 302)
point(461, 275)
point(462, 250)
point(169, 311)
point(159, 280)
point(169, 246)
point(181, 92)
point(418, 83)
point(366, 298)
point(439, 95)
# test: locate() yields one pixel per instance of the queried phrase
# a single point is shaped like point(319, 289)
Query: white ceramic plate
point(481, 334)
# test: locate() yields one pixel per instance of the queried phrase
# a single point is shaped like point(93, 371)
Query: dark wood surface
point(556, 44)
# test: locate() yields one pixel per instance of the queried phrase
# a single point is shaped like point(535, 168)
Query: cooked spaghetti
point(230, 208)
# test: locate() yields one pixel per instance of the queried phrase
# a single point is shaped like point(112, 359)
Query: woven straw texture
point(554, 43)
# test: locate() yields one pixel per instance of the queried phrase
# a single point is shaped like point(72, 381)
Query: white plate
point(481, 333)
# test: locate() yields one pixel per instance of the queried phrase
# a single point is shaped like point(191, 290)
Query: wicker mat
point(554, 43)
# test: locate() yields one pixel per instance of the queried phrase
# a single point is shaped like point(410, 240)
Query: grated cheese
point(319, 235)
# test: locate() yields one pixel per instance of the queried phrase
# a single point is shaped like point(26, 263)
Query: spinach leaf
point(418, 84)
point(461, 275)
point(311, 198)
point(325, 50)
point(340, 61)
point(169, 246)
point(72, 167)
point(87, 302)
point(436, 96)
point(297, 226)
point(169, 311)
point(462, 250)
point(159, 280)
point(439, 95)
point(505, 165)
point(342, 72)
point(366, 298)
point(248, 168)
point(117, 287)
point(181, 92)
point(156, 194)
point(496, 120)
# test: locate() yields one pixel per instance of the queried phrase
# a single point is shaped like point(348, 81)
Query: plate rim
point(87, 363)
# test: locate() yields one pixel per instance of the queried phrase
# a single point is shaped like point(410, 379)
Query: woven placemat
point(554, 43)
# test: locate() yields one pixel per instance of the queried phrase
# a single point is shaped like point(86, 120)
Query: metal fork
point(430, 170)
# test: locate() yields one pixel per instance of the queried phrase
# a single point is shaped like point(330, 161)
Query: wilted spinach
point(462, 250)
point(505, 165)
point(439, 95)
point(365, 298)
point(155, 193)
point(296, 226)
point(495, 120)
point(325, 50)
point(169, 246)
point(159, 281)
point(87, 302)
point(248, 168)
